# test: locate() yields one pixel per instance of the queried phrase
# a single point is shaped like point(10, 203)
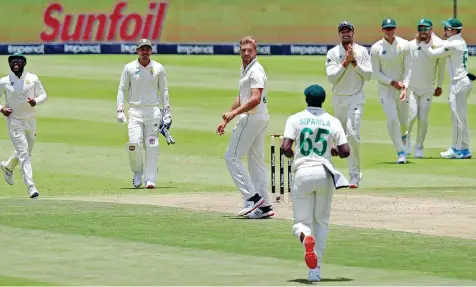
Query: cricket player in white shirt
point(422, 84)
point(348, 67)
point(455, 50)
point(249, 134)
point(391, 63)
point(317, 136)
point(146, 83)
point(23, 92)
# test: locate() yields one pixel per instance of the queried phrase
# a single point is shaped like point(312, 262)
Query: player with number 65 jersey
point(314, 132)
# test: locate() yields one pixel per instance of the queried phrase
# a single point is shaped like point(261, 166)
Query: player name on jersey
point(314, 121)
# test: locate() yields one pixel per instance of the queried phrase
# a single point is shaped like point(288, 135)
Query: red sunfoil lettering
point(100, 27)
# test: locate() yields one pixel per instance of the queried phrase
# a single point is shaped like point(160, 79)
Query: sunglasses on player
point(423, 29)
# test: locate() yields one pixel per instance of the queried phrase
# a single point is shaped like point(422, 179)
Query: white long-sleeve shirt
point(456, 51)
point(18, 90)
point(391, 62)
point(424, 68)
point(146, 86)
point(348, 81)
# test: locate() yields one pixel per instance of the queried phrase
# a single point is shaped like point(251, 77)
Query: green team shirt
point(314, 131)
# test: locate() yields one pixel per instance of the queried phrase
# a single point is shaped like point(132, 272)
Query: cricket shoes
point(261, 212)
point(310, 256)
point(314, 275)
point(452, 153)
point(402, 158)
point(355, 180)
point(32, 191)
point(137, 179)
point(251, 204)
point(418, 153)
point(9, 178)
point(150, 185)
point(466, 154)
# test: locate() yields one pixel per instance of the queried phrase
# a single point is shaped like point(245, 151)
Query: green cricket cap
point(144, 42)
point(453, 23)
point(16, 55)
point(315, 92)
point(345, 24)
point(389, 23)
point(425, 22)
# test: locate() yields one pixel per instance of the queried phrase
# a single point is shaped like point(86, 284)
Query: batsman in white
point(316, 135)
point(348, 67)
point(23, 92)
point(455, 50)
point(422, 84)
point(391, 61)
point(249, 134)
point(146, 83)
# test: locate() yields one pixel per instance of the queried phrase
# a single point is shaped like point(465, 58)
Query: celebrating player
point(391, 62)
point(314, 132)
point(146, 82)
point(348, 66)
point(23, 92)
point(455, 50)
point(422, 83)
point(249, 134)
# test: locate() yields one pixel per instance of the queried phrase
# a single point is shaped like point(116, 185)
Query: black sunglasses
point(423, 29)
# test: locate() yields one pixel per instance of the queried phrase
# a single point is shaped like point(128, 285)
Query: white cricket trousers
point(23, 136)
point(397, 115)
point(143, 129)
point(349, 110)
point(248, 139)
point(458, 99)
point(420, 100)
point(311, 194)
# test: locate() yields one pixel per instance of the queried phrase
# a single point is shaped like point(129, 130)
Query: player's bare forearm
point(286, 146)
point(254, 101)
point(236, 104)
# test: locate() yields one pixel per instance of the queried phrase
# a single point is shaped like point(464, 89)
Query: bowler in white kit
point(249, 134)
point(23, 91)
point(144, 83)
point(391, 63)
point(455, 50)
point(423, 85)
point(317, 135)
point(348, 67)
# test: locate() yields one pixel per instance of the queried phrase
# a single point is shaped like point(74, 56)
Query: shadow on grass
point(307, 282)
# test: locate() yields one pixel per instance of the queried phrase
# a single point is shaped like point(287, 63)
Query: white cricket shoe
point(9, 178)
point(418, 153)
point(150, 185)
point(262, 212)
point(32, 191)
point(137, 179)
point(452, 153)
point(251, 204)
point(314, 275)
point(355, 180)
point(402, 158)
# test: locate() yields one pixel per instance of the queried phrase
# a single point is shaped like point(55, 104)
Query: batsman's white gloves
point(121, 117)
point(167, 121)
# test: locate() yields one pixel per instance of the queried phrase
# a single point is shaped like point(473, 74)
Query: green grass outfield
point(80, 151)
